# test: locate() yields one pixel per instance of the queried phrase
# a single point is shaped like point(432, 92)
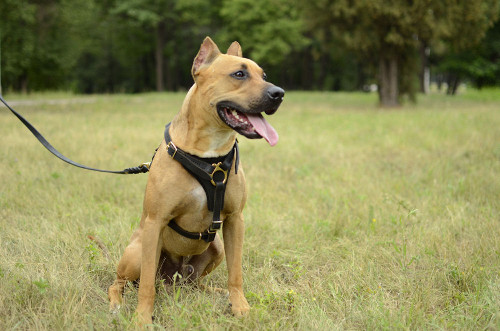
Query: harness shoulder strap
point(207, 171)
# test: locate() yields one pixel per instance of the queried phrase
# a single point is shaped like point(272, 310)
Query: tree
point(96, 46)
point(462, 55)
point(390, 32)
point(485, 68)
point(155, 15)
point(39, 47)
point(18, 40)
point(269, 31)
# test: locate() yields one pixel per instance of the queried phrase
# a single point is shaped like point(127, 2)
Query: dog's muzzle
point(275, 95)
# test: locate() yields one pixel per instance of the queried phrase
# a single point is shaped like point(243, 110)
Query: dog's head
point(235, 88)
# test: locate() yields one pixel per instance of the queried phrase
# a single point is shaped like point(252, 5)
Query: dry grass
point(359, 218)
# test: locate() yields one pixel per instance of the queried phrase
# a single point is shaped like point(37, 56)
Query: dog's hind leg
point(129, 269)
point(198, 266)
point(207, 261)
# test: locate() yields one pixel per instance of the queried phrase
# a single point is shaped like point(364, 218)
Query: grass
point(360, 218)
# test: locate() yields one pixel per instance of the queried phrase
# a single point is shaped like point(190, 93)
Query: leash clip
point(218, 168)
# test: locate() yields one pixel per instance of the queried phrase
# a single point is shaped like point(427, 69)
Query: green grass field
point(360, 218)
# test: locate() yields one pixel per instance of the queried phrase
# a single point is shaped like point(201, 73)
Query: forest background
point(360, 218)
point(130, 46)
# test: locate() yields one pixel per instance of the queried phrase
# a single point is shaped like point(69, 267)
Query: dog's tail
point(101, 245)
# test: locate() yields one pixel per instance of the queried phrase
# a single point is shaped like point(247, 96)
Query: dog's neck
point(197, 129)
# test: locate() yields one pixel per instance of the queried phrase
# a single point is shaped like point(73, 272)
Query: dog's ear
point(207, 53)
point(234, 49)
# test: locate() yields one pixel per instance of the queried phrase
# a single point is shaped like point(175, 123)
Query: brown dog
point(228, 97)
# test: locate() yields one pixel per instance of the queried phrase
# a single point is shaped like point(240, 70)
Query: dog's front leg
point(234, 229)
point(151, 249)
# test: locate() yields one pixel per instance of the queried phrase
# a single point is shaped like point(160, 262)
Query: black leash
point(134, 170)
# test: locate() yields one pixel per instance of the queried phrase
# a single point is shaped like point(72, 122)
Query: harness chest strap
point(212, 174)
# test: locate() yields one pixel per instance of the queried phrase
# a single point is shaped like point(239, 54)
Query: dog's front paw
point(143, 319)
point(239, 305)
point(240, 310)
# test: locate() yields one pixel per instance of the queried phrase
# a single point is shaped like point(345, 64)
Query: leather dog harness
point(212, 174)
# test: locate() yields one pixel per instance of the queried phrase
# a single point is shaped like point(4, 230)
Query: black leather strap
point(211, 173)
point(134, 170)
point(207, 235)
point(202, 168)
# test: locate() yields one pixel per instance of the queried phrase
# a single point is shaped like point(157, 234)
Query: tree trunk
point(307, 71)
point(425, 75)
point(453, 83)
point(439, 80)
point(24, 83)
point(388, 88)
point(170, 80)
point(160, 44)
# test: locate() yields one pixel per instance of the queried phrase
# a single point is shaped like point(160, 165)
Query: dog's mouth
point(250, 125)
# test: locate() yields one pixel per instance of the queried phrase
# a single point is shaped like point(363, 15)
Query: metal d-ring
point(218, 168)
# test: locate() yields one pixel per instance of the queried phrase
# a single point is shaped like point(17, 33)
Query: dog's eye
point(241, 74)
point(264, 76)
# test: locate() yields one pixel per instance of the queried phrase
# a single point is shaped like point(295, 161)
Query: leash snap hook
point(216, 169)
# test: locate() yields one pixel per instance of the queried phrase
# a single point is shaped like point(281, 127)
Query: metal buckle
point(171, 144)
point(213, 229)
point(218, 168)
point(210, 237)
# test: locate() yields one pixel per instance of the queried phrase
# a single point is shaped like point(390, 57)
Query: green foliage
point(91, 46)
point(145, 12)
point(268, 30)
point(42, 285)
point(18, 41)
point(478, 63)
point(468, 21)
point(382, 31)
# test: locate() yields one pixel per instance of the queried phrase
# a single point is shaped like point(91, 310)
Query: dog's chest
point(198, 200)
point(194, 215)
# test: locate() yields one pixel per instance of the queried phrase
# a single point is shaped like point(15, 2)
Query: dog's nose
point(276, 93)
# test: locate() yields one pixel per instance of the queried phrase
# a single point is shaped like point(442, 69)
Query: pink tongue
point(263, 128)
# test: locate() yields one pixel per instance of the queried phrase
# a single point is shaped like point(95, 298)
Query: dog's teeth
point(235, 114)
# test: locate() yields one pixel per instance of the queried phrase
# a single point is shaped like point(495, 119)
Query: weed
point(42, 285)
